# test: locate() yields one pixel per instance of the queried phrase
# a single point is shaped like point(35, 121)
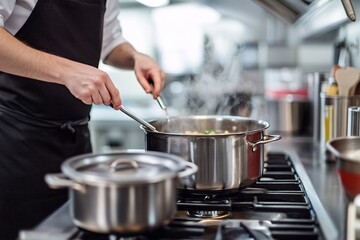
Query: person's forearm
point(85, 82)
point(19, 59)
point(122, 56)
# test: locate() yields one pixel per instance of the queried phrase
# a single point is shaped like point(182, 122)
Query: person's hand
point(149, 74)
point(91, 85)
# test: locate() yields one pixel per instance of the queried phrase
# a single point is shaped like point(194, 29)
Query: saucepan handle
point(190, 169)
point(266, 139)
point(59, 180)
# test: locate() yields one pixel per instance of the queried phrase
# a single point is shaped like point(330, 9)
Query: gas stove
point(282, 204)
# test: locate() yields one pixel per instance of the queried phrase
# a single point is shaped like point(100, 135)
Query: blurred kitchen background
point(252, 58)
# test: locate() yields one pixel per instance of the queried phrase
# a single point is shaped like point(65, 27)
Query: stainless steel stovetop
point(282, 204)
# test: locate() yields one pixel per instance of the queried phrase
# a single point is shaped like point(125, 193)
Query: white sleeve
point(6, 8)
point(112, 35)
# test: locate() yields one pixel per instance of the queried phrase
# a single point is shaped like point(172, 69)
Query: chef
point(49, 54)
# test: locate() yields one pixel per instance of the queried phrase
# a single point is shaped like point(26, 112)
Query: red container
point(347, 154)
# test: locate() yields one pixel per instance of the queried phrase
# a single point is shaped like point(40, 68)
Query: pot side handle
point(190, 169)
point(59, 180)
point(266, 139)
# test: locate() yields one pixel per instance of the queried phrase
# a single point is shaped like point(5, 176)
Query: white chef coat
point(14, 13)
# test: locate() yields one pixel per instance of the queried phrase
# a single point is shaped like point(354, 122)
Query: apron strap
point(69, 125)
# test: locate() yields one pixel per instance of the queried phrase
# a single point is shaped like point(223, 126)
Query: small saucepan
point(347, 154)
point(122, 192)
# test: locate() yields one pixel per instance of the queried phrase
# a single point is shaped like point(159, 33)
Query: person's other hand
point(148, 73)
point(91, 85)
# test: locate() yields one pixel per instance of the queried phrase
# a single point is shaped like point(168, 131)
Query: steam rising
point(219, 89)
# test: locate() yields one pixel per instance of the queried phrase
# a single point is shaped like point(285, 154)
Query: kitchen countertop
point(323, 177)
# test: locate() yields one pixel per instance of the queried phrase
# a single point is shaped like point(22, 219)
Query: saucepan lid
point(124, 167)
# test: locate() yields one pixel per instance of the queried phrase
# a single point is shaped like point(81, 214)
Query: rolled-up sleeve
point(6, 8)
point(112, 35)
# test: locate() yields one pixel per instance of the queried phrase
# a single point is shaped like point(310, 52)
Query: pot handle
point(118, 162)
point(266, 139)
point(190, 169)
point(59, 180)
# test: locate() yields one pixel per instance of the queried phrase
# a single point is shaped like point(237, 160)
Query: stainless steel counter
point(323, 177)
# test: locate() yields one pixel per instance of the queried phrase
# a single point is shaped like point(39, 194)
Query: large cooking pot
point(230, 159)
point(347, 155)
point(123, 192)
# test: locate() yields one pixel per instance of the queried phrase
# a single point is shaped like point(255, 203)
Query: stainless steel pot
point(123, 192)
point(289, 115)
point(228, 160)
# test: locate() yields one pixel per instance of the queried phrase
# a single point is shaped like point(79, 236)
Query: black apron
point(42, 124)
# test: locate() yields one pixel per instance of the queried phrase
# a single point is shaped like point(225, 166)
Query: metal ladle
point(136, 118)
point(160, 101)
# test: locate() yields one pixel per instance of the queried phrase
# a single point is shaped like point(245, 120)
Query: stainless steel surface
point(288, 10)
point(353, 123)
point(290, 114)
point(316, 20)
point(324, 178)
point(326, 223)
point(226, 160)
point(124, 200)
point(137, 118)
point(334, 118)
point(349, 9)
point(137, 208)
point(315, 80)
point(58, 226)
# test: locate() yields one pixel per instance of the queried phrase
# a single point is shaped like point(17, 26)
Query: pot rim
point(172, 164)
point(204, 117)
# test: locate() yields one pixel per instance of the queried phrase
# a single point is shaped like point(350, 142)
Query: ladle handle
point(161, 102)
point(138, 119)
point(159, 99)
